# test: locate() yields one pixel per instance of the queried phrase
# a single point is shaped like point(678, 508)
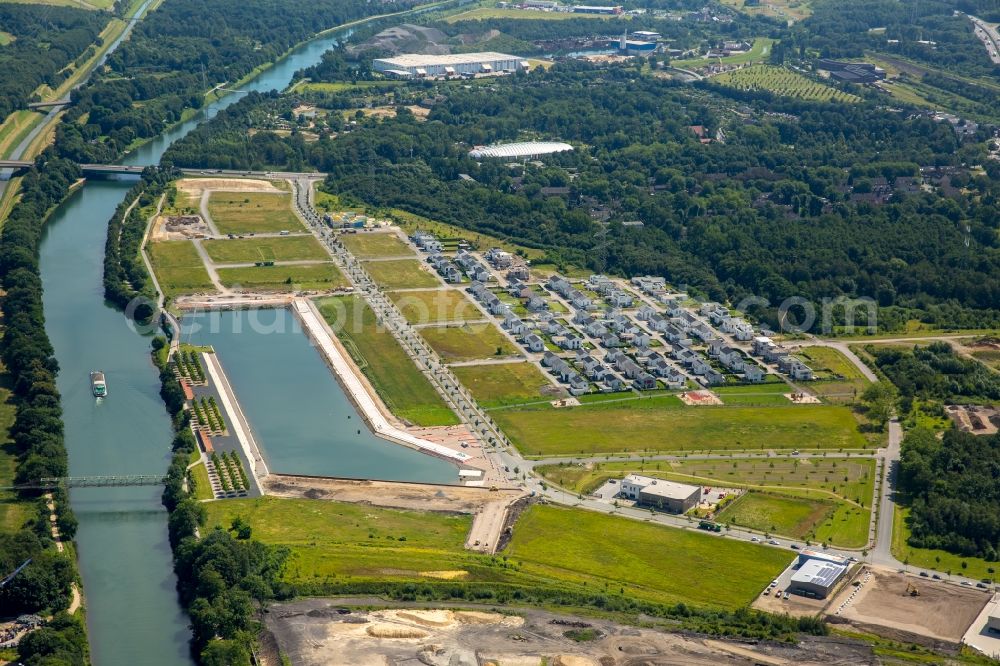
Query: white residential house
point(534, 343)
point(641, 339)
point(645, 313)
point(753, 373)
point(645, 382)
point(610, 341)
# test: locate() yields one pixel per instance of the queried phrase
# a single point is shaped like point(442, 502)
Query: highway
point(989, 36)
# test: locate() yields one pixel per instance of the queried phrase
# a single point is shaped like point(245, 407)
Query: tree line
point(952, 487)
point(37, 432)
point(936, 372)
point(45, 39)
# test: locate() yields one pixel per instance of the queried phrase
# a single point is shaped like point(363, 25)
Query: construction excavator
point(912, 590)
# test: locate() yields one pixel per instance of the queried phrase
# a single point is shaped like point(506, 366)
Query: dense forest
point(952, 486)
point(180, 51)
point(44, 40)
point(782, 207)
point(37, 432)
point(936, 372)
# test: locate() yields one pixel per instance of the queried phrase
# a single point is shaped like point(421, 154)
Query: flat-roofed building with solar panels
point(816, 578)
point(520, 149)
point(415, 65)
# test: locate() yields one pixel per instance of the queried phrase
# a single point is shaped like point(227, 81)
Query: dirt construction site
point(490, 506)
point(911, 608)
point(323, 632)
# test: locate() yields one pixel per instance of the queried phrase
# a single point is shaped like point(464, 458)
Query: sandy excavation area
point(195, 186)
point(885, 605)
point(320, 632)
point(415, 496)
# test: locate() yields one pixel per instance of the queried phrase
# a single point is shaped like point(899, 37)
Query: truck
point(710, 526)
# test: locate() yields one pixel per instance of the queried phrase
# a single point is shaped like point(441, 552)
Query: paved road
point(889, 458)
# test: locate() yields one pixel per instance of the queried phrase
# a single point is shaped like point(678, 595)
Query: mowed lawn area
point(252, 212)
point(842, 488)
point(402, 387)
point(778, 515)
point(665, 424)
point(371, 245)
point(401, 274)
point(324, 276)
point(506, 383)
point(438, 305)
point(280, 248)
point(468, 342)
point(651, 562)
point(353, 541)
point(333, 543)
point(837, 379)
point(179, 268)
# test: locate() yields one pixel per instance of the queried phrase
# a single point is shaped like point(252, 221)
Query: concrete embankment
point(315, 327)
point(237, 420)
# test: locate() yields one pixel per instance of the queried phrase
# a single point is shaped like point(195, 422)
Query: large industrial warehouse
point(414, 65)
point(816, 578)
point(521, 149)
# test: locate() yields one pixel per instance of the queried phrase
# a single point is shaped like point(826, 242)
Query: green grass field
point(282, 248)
point(933, 559)
point(765, 394)
point(13, 512)
point(374, 245)
point(468, 342)
point(789, 10)
point(252, 212)
point(401, 274)
point(285, 278)
point(759, 52)
point(784, 82)
point(353, 541)
point(838, 380)
point(338, 543)
point(179, 268)
point(665, 424)
point(844, 486)
point(424, 307)
point(402, 387)
point(506, 383)
point(650, 562)
point(202, 486)
point(776, 514)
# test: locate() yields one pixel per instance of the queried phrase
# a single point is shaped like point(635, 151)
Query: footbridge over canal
point(122, 480)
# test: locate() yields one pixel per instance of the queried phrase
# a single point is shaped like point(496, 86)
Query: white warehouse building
point(520, 149)
point(664, 495)
point(817, 578)
point(416, 65)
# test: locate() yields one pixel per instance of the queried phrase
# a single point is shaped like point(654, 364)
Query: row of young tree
point(952, 486)
point(224, 576)
point(767, 213)
point(37, 431)
point(43, 41)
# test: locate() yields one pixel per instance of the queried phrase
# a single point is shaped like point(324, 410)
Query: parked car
point(936, 577)
point(786, 594)
point(774, 543)
point(774, 583)
point(755, 539)
point(767, 592)
point(924, 574)
point(982, 586)
point(795, 546)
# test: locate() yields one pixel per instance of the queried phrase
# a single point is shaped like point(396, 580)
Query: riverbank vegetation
point(36, 433)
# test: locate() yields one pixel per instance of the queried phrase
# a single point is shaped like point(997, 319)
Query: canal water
point(301, 418)
point(133, 615)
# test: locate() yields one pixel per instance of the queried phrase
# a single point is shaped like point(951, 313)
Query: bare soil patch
point(699, 398)
point(885, 605)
